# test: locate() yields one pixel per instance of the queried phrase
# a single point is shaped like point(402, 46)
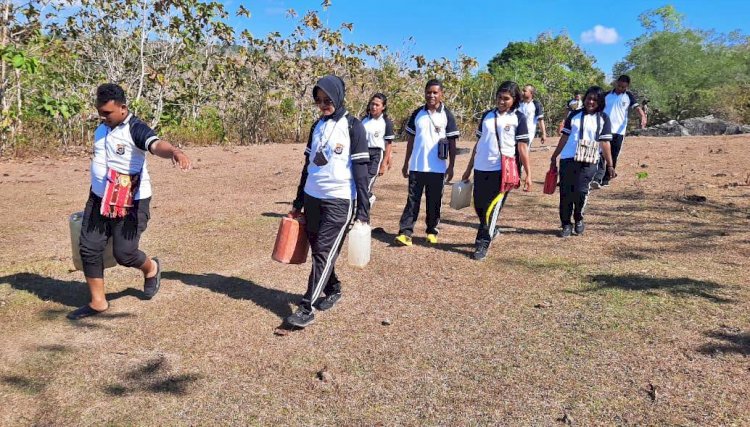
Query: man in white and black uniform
point(333, 184)
point(120, 144)
point(534, 113)
point(619, 101)
point(429, 127)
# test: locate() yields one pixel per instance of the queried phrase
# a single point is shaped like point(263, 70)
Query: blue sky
point(484, 28)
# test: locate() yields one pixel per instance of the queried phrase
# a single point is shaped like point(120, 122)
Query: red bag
point(550, 181)
point(509, 177)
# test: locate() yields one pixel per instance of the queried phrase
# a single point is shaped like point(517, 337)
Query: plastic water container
point(291, 241)
point(550, 181)
point(461, 194)
point(74, 221)
point(359, 244)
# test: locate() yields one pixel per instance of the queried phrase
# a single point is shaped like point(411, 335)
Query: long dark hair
point(599, 93)
point(383, 99)
point(514, 91)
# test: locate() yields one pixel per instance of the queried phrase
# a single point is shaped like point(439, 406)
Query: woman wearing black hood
point(333, 185)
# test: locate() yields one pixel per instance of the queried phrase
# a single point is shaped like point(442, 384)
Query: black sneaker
point(567, 230)
point(480, 253)
point(327, 302)
point(605, 183)
point(301, 318)
point(596, 185)
point(152, 284)
point(579, 228)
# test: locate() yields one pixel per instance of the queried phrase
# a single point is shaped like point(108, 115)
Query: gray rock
point(696, 126)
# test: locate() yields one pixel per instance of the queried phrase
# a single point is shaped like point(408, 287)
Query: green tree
point(553, 64)
point(686, 72)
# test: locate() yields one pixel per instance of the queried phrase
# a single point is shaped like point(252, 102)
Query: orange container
point(550, 181)
point(291, 241)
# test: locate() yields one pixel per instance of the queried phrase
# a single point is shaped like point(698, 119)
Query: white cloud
point(600, 34)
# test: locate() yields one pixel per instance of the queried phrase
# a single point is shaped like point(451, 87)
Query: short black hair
point(513, 89)
point(578, 92)
point(600, 94)
point(433, 82)
point(110, 92)
point(624, 78)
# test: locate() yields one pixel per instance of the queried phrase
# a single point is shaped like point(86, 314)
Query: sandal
point(85, 311)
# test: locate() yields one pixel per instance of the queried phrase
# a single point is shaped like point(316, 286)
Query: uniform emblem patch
point(120, 149)
point(507, 128)
point(339, 149)
point(624, 103)
point(376, 134)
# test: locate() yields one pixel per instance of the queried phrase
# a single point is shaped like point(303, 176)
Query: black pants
point(486, 189)
point(430, 183)
point(376, 157)
point(575, 180)
point(125, 233)
point(602, 176)
point(327, 222)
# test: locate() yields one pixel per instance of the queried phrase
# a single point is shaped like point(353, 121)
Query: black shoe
point(301, 318)
point(567, 230)
point(605, 183)
point(327, 302)
point(480, 253)
point(152, 284)
point(579, 228)
point(85, 311)
point(596, 185)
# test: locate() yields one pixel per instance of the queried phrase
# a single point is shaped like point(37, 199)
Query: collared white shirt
point(122, 148)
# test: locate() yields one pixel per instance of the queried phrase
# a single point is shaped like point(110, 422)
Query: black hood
point(334, 87)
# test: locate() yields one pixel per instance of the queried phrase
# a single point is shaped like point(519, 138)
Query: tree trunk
point(144, 35)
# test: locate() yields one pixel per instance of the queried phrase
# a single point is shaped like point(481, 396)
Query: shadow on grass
point(273, 214)
point(683, 286)
point(153, 377)
point(273, 300)
point(727, 342)
point(65, 292)
point(381, 235)
point(23, 384)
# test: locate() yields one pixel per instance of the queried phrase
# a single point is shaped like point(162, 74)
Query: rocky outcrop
point(697, 126)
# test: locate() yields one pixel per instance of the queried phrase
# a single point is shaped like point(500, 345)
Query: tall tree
point(686, 72)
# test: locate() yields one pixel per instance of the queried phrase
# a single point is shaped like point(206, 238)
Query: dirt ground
point(644, 320)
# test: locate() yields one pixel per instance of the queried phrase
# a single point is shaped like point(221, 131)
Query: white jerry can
point(359, 244)
point(75, 222)
point(461, 194)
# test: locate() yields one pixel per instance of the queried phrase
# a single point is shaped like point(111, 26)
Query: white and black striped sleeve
point(411, 125)
point(481, 123)
point(451, 129)
point(522, 130)
point(389, 134)
point(143, 136)
point(567, 125)
point(358, 142)
point(539, 110)
point(631, 97)
point(606, 134)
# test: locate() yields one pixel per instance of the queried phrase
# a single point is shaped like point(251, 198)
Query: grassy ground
point(642, 321)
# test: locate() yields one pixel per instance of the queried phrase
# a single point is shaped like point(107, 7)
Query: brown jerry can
point(291, 241)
